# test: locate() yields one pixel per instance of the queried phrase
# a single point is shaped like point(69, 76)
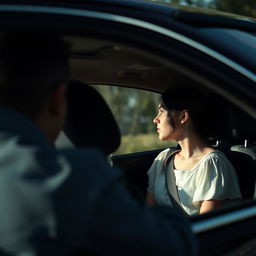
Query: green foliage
point(242, 7)
point(134, 111)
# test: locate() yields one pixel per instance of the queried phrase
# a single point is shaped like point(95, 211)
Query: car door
point(227, 232)
point(150, 30)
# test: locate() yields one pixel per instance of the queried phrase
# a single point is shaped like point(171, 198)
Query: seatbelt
point(170, 182)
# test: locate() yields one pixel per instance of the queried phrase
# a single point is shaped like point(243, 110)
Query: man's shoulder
point(85, 155)
point(77, 153)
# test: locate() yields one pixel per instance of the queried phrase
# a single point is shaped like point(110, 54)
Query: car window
point(134, 111)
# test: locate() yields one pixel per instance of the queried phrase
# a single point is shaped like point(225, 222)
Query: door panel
point(227, 231)
point(135, 167)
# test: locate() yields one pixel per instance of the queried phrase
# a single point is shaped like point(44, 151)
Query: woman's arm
point(209, 205)
point(150, 199)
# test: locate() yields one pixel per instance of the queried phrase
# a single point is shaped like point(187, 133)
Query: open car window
point(134, 111)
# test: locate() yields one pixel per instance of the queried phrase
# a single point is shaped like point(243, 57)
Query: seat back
point(243, 126)
point(232, 128)
point(90, 121)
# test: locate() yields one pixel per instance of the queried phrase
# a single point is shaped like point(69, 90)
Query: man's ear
point(184, 116)
point(57, 101)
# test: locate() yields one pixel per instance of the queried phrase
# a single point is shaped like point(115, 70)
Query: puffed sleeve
point(216, 179)
point(155, 168)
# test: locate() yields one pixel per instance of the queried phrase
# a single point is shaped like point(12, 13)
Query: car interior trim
point(225, 219)
point(130, 21)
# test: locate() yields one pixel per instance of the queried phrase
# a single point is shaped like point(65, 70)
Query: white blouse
point(213, 177)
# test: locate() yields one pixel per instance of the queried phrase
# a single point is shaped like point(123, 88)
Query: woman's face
point(166, 130)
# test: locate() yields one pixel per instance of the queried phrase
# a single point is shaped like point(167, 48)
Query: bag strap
point(170, 182)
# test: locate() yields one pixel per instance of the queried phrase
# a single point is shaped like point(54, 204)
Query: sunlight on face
point(163, 125)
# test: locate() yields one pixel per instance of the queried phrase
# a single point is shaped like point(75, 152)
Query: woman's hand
point(209, 205)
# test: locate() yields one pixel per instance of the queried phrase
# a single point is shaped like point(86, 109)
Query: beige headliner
point(103, 62)
point(97, 61)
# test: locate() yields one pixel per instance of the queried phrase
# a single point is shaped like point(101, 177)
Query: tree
point(196, 3)
point(243, 7)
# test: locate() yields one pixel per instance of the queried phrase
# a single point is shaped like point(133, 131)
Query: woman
point(205, 179)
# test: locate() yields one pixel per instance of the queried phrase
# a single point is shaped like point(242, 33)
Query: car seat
point(244, 124)
point(90, 122)
point(232, 133)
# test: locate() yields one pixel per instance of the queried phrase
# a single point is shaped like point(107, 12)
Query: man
point(65, 202)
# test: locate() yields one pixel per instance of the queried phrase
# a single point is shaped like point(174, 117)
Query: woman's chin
point(162, 138)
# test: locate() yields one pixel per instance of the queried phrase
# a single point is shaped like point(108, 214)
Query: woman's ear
point(184, 116)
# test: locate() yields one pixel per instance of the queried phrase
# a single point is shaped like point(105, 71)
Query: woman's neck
point(193, 146)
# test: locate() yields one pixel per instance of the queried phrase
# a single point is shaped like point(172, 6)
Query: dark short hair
point(32, 66)
point(195, 102)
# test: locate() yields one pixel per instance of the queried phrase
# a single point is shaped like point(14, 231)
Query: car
point(150, 46)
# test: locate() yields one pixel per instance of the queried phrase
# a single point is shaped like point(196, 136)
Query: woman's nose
point(155, 120)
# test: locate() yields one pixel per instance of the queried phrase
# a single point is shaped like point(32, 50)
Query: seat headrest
point(90, 121)
point(230, 122)
point(244, 125)
point(219, 117)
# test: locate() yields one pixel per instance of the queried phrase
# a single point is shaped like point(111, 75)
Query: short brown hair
point(195, 102)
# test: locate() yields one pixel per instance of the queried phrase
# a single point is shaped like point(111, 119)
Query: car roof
point(140, 69)
point(186, 14)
